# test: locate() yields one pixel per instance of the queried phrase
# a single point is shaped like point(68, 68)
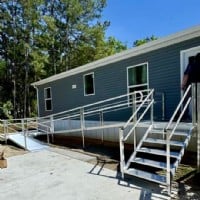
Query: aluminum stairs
point(149, 160)
point(158, 154)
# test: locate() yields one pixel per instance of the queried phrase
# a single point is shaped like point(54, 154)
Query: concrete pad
point(48, 175)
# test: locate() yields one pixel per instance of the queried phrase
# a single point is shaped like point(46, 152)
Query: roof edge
point(153, 45)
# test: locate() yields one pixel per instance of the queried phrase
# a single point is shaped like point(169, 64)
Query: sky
point(137, 19)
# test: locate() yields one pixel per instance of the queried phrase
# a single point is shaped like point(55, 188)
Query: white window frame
point(84, 85)
point(139, 85)
point(47, 99)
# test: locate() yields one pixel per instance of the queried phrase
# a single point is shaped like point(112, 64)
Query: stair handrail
point(180, 117)
point(148, 99)
point(169, 134)
point(177, 108)
point(138, 108)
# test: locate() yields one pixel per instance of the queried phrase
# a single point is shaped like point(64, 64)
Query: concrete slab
point(50, 175)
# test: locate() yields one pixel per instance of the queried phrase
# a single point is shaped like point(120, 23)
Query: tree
point(143, 41)
point(41, 38)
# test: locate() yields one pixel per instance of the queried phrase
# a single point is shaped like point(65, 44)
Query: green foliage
point(41, 38)
point(144, 41)
point(6, 110)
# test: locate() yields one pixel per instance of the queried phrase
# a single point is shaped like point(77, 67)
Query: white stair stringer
point(149, 160)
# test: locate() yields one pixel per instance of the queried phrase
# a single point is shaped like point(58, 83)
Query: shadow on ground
point(186, 185)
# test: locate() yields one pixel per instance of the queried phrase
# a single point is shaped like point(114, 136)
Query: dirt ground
point(186, 184)
point(10, 150)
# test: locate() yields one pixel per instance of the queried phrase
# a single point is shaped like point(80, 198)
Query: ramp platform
point(27, 142)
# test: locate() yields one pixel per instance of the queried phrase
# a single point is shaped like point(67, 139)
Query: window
point(137, 77)
point(48, 99)
point(89, 84)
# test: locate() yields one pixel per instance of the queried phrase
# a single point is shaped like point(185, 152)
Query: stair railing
point(46, 126)
point(171, 128)
point(146, 102)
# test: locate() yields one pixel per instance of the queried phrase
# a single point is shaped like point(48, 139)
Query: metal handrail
point(93, 104)
point(177, 108)
point(139, 107)
point(180, 116)
point(103, 108)
point(149, 101)
point(138, 121)
point(169, 134)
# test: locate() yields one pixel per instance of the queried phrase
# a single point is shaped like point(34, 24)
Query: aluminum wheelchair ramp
point(27, 142)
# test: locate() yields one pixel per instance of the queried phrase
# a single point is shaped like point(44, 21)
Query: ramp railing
point(74, 120)
point(23, 126)
point(78, 119)
point(83, 118)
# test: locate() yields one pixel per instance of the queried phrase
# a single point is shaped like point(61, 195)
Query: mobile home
point(159, 64)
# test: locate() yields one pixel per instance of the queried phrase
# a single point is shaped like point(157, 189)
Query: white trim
point(91, 73)
point(153, 45)
point(45, 99)
point(134, 86)
point(140, 64)
point(38, 107)
point(140, 85)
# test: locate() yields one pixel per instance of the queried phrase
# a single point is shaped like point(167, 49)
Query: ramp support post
point(122, 159)
point(134, 99)
point(194, 104)
point(101, 124)
point(5, 126)
point(198, 125)
point(24, 132)
point(82, 125)
point(52, 128)
point(168, 172)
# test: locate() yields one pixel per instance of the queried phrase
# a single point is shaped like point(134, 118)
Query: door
point(185, 55)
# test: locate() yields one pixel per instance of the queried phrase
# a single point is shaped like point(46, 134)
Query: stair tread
point(176, 133)
point(152, 163)
point(160, 141)
point(160, 152)
point(147, 175)
point(157, 131)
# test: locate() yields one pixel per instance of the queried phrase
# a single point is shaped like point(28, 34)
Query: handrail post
point(48, 130)
point(134, 100)
point(163, 106)
point(101, 124)
point(122, 159)
point(168, 175)
point(24, 132)
point(134, 106)
point(37, 124)
point(198, 126)
point(194, 103)
point(82, 126)
point(152, 108)
point(5, 129)
point(52, 127)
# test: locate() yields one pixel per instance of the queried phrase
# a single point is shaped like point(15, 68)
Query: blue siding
point(111, 80)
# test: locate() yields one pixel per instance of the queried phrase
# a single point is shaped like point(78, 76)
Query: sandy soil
point(10, 150)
